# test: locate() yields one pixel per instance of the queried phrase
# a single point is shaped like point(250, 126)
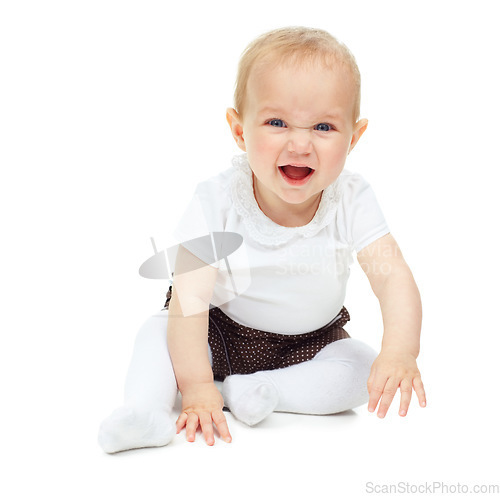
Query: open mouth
point(296, 173)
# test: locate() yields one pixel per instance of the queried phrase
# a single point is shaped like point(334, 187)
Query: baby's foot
point(250, 397)
point(129, 428)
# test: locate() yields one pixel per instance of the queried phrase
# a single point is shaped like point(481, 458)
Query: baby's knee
point(363, 352)
point(350, 351)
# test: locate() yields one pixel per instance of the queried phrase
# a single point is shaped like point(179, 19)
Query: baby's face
point(297, 130)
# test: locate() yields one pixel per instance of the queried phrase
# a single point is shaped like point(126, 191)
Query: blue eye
point(323, 127)
point(277, 123)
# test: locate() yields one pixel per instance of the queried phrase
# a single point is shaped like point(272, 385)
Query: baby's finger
point(376, 391)
point(207, 427)
point(181, 421)
point(419, 389)
point(406, 389)
point(391, 387)
point(369, 383)
point(221, 423)
point(191, 426)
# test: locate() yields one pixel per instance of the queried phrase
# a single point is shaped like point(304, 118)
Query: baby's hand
point(390, 370)
point(202, 405)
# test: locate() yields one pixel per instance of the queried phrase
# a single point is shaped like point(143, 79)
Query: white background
point(112, 111)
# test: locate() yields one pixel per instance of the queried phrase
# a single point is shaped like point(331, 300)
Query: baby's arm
point(396, 366)
point(187, 336)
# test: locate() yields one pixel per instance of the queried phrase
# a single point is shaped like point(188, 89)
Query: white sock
point(333, 381)
point(250, 397)
point(150, 392)
point(130, 428)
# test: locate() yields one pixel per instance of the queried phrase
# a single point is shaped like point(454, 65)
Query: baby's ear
point(359, 129)
point(234, 121)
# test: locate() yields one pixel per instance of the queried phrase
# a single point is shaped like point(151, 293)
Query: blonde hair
point(297, 45)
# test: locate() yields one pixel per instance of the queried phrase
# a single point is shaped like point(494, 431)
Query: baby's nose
point(300, 142)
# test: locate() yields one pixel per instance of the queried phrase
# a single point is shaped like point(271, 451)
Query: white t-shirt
point(281, 279)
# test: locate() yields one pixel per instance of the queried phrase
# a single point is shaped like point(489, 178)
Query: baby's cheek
point(261, 150)
point(266, 138)
point(336, 153)
point(266, 149)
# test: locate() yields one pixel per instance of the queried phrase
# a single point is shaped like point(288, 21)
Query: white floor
point(345, 454)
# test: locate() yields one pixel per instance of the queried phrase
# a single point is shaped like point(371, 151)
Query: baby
point(266, 318)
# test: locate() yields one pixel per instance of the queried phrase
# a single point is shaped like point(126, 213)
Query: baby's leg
point(333, 381)
point(150, 392)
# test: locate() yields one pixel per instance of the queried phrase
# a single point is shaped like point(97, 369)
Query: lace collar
point(261, 228)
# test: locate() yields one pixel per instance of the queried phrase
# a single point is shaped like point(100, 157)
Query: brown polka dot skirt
point(238, 349)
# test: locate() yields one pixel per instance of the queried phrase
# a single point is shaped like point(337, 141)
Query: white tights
point(333, 381)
